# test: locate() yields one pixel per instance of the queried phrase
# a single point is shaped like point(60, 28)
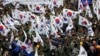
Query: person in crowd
point(46, 48)
point(53, 51)
point(15, 48)
point(92, 51)
point(75, 50)
point(6, 45)
point(67, 45)
point(60, 50)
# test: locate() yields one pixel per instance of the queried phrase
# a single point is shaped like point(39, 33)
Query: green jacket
point(60, 51)
point(46, 49)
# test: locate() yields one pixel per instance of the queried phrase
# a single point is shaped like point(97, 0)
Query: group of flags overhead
point(84, 5)
point(41, 25)
point(22, 17)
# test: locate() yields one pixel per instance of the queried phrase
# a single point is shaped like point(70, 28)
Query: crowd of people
point(66, 44)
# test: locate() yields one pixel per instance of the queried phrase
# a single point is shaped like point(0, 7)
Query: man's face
point(94, 42)
point(91, 48)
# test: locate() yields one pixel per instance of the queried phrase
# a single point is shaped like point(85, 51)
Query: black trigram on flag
point(99, 11)
point(83, 52)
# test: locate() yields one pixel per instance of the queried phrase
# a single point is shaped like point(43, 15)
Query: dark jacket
point(94, 53)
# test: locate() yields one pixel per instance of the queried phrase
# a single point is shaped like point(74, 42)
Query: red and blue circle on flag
point(33, 17)
point(37, 7)
point(57, 20)
point(84, 22)
point(54, 2)
point(1, 27)
point(69, 13)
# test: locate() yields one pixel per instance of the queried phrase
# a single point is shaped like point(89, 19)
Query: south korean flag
point(39, 9)
point(82, 51)
point(58, 22)
point(84, 22)
point(69, 13)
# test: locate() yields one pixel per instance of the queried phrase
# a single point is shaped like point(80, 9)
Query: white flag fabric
point(42, 26)
point(54, 30)
point(94, 4)
point(98, 3)
point(35, 39)
point(12, 37)
point(70, 25)
point(30, 7)
point(12, 20)
point(52, 5)
point(5, 31)
point(59, 23)
point(36, 52)
point(88, 10)
point(80, 6)
point(28, 49)
point(33, 23)
point(16, 22)
point(38, 37)
point(98, 14)
point(67, 13)
point(25, 36)
point(8, 21)
point(65, 20)
point(39, 9)
point(17, 5)
point(90, 31)
point(82, 51)
point(5, 2)
point(15, 13)
point(23, 17)
point(84, 22)
point(70, 13)
point(98, 9)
